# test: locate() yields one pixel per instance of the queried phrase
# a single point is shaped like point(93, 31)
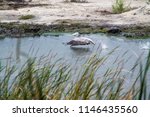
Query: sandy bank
point(56, 12)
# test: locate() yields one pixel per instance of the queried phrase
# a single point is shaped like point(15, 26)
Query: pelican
point(78, 40)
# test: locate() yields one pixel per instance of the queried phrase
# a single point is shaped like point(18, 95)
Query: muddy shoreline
point(27, 30)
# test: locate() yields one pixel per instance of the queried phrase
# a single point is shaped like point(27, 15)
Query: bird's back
point(80, 41)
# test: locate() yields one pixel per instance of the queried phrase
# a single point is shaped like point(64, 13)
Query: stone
point(114, 30)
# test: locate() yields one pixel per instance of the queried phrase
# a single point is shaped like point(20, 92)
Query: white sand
point(87, 12)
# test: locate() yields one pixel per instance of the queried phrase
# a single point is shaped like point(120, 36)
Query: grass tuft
point(26, 17)
point(119, 7)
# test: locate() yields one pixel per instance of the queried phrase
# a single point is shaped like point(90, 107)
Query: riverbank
point(90, 17)
point(16, 29)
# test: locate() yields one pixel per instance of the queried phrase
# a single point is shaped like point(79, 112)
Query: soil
point(92, 16)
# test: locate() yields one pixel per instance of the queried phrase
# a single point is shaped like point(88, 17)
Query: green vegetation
point(14, 29)
point(119, 7)
point(48, 78)
point(2, 37)
point(26, 17)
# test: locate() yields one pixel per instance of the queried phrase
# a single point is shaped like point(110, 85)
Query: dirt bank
point(93, 16)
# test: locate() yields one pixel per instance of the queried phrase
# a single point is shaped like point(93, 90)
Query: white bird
point(80, 40)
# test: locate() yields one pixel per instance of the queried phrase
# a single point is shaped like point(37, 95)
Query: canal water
point(126, 51)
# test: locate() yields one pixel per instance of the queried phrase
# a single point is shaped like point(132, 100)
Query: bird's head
point(77, 34)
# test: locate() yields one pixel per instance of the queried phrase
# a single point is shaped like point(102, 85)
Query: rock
point(114, 30)
point(134, 35)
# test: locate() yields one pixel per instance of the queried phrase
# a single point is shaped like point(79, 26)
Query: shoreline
point(91, 17)
point(15, 29)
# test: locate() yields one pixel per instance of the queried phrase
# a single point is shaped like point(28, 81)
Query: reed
point(53, 80)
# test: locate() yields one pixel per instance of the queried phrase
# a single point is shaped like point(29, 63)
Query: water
point(40, 46)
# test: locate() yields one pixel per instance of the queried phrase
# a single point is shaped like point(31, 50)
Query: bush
point(120, 7)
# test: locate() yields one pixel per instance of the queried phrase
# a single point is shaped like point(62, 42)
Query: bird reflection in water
point(80, 50)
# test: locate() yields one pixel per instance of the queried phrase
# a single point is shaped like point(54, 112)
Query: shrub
point(120, 7)
point(26, 17)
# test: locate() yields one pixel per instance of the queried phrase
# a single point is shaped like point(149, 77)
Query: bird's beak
point(92, 42)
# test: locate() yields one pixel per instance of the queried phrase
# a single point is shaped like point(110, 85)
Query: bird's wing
point(83, 40)
point(88, 39)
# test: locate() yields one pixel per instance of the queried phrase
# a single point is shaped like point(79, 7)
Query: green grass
point(52, 79)
point(26, 17)
point(119, 7)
